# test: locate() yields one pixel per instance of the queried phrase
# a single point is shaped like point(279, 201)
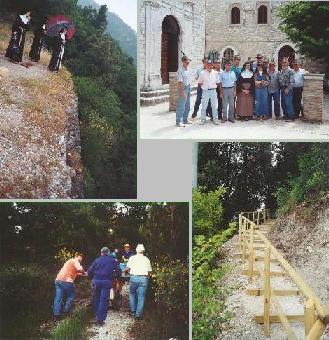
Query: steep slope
point(39, 129)
point(118, 29)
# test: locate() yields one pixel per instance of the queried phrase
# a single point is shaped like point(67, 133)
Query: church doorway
point(169, 47)
point(286, 52)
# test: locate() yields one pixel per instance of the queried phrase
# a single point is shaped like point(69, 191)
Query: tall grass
point(73, 327)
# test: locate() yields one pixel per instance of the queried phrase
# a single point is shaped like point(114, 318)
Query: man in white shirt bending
point(140, 269)
point(208, 80)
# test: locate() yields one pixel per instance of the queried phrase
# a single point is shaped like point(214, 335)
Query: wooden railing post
point(257, 217)
point(251, 253)
point(267, 290)
point(310, 316)
point(265, 216)
point(244, 248)
point(240, 231)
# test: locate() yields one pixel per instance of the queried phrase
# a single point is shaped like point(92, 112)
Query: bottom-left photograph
point(94, 270)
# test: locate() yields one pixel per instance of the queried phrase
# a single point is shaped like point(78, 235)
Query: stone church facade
point(197, 27)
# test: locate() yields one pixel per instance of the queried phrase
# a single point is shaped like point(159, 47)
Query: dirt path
point(117, 323)
point(245, 308)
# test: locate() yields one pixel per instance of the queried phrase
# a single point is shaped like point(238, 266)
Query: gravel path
point(117, 323)
point(242, 325)
point(157, 122)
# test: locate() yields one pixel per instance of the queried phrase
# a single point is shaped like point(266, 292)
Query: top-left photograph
point(68, 99)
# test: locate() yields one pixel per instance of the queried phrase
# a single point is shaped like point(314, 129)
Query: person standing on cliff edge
point(16, 45)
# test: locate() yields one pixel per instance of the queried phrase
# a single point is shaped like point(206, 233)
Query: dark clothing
point(101, 290)
point(16, 45)
point(38, 41)
point(245, 102)
point(126, 255)
point(297, 101)
point(104, 268)
point(58, 53)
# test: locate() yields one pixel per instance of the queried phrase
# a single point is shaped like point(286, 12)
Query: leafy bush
point(207, 211)
point(64, 255)
point(311, 184)
point(208, 305)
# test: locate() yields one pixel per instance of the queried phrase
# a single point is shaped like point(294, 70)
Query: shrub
point(207, 211)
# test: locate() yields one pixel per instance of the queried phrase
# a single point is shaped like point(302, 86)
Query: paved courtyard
point(156, 122)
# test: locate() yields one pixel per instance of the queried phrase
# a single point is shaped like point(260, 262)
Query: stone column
point(173, 91)
point(313, 98)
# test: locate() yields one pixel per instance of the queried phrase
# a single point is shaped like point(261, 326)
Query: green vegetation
point(105, 79)
point(37, 238)
point(209, 294)
point(311, 37)
point(310, 185)
point(73, 327)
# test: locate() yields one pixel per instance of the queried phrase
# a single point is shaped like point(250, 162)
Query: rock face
point(39, 134)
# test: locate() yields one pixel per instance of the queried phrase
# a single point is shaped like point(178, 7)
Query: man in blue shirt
point(236, 68)
point(103, 270)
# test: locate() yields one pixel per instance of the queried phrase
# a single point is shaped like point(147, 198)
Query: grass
point(73, 327)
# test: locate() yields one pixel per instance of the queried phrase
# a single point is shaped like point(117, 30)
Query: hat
point(237, 57)
point(140, 248)
point(105, 250)
point(259, 55)
point(296, 62)
point(185, 59)
point(217, 61)
point(209, 61)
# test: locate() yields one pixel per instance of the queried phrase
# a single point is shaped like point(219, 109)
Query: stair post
point(251, 253)
point(267, 291)
point(310, 316)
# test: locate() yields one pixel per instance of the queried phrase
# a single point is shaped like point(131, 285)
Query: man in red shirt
point(64, 285)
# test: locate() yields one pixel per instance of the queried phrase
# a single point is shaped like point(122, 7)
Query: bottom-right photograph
point(260, 241)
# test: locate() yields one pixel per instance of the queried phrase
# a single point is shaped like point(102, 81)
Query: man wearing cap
point(103, 270)
point(274, 90)
point(208, 80)
point(286, 81)
point(236, 68)
point(126, 253)
point(184, 93)
point(140, 269)
point(298, 88)
point(228, 91)
point(258, 60)
point(199, 90)
point(64, 285)
point(266, 64)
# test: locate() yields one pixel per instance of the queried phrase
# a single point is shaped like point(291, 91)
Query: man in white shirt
point(140, 269)
point(208, 80)
point(298, 88)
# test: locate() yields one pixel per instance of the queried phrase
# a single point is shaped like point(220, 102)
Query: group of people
point(103, 271)
point(16, 45)
point(241, 91)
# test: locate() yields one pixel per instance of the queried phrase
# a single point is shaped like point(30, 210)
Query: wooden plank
point(256, 272)
point(283, 318)
point(310, 316)
point(260, 292)
point(267, 291)
point(276, 319)
point(251, 254)
point(316, 331)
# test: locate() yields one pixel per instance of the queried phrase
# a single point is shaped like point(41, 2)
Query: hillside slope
point(39, 130)
point(118, 29)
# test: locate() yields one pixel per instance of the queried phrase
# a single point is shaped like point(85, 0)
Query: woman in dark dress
point(38, 41)
point(16, 45)
point(58, 51)
point(245, 93)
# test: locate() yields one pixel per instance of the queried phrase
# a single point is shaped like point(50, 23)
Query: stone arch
point(170, 46)
point(281, 48)
point(234, 52)
point(263, 11)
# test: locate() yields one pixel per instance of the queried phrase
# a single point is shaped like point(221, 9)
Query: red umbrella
point(57, 22)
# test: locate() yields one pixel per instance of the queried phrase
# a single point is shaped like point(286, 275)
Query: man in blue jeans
point(274, 90)
point(64, 285)
point(103, 270)
point(140, 269)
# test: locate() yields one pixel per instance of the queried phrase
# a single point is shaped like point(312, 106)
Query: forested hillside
point(119, 30)
point(37, 238)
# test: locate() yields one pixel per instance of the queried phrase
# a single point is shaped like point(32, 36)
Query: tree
point(306, 24)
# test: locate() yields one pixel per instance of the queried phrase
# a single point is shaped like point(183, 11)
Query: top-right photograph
point(234, 70)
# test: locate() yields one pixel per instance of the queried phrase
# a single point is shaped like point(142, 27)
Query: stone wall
point(173, 91)
point(313, 98)
point(248, 37)
point(190, 16)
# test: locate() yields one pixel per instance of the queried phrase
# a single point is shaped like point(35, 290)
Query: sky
point(125, 9)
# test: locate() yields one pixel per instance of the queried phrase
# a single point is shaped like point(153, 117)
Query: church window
point(235, 16)
point(262, 14)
